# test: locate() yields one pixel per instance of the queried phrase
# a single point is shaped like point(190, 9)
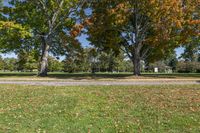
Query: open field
point(166, 108)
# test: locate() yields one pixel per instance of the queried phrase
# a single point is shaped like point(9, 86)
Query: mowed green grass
point(107, 109)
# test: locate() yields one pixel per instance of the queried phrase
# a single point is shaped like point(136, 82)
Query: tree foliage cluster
point(188, 67)
point(145, 30)
point(84, 61)
point(91, 60)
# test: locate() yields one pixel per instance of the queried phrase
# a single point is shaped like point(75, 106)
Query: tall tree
point(191, 51)
point(27, 60)
point(75, 61)
point(54, 65)
point(10, 64)
point(50, 22)
point(141, 28)
point(21, 60)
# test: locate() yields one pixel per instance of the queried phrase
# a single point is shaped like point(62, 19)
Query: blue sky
point(5, 2)
point(83, 41)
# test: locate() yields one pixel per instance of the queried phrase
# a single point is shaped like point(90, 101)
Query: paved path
point(98, 83)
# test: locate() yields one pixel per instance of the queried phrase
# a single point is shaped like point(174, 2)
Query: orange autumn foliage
point(76, 30)
point(167, 21)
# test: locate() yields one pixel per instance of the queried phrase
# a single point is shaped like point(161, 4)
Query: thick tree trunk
point(136, 63)
point(137, 71)
point(44, 60)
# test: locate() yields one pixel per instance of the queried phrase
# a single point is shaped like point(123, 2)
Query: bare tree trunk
point(136, 63)
point(44, 59)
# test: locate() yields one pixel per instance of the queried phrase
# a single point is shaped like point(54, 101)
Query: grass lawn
point(107, 109)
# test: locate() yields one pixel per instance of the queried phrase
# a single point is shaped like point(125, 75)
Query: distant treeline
point(91, 60)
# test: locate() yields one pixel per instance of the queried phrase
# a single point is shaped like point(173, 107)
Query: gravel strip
point(99, 83)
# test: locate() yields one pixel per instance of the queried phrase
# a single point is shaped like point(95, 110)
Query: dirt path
point(99, 83)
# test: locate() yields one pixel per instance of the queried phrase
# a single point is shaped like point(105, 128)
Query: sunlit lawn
point(107, 109)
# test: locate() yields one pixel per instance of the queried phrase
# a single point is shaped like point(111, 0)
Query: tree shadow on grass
point(17, 74)
point(81, 76)
point(78, 76)
point(62, 75)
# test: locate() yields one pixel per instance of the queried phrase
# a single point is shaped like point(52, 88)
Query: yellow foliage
point(11, 26)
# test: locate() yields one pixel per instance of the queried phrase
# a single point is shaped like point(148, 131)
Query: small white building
point(156, 69)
